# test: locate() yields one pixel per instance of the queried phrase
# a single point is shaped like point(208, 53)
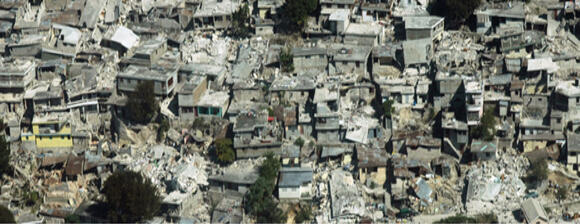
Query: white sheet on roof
point(125, 37)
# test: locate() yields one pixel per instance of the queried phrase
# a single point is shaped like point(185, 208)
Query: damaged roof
point(370, 157)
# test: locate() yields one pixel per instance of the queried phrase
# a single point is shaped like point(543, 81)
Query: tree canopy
point(456, 12)
point(130, 197)
point(259, 201)
point(163, 128)
point(224, 151)
point(142, 104)
point(286, 60)
point(6, 215)
point(481, 218)
point(295, 13)
point(486, 129)
point(240, 22)
point(562, 193)
point(299, 142)
point(305, 214)
point(270, 167)
point(539, 171)
point(388, 108)
point(4, 156)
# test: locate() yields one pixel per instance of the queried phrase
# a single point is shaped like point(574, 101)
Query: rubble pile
point(458, 52)
point(376, 110)
point(496, 185)
point(198, 49)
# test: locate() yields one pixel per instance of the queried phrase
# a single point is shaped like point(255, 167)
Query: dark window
point(214, 110)
point(203, 110)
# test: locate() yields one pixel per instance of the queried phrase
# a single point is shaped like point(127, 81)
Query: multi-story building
point(164, 79)
point(51, 132)
point(420, 27)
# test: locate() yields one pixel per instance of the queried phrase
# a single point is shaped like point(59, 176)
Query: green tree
point(72, 218)
point(539, 171)
point(455, 12)
point(200, 124)
point(286, 60)
point(304, 214)
point(562, 193)
point(5, 167)
point(486, 129)
point(295, 13)
point(6, 215)
point(457, 219)
point(270, 112)
point(259, 200)
point(130, 197)
point(270, 167)
point(481, 218)
point(142, 104)
point(260, 203)
point(224, 151)
point(388, 108)
point(270, 212)
point(486, 218)
point(31, 198)
point(299, 142)
point(163, 128)
point(3, 125)
point(240, 22)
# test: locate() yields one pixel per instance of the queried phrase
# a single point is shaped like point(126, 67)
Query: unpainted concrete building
point(215, 14)
point(164, 79)
point(189, 95)
point(420, 27)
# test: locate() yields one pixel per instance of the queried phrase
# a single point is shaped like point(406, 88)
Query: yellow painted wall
point(23, 137)
point(378, 177)
point(532, 145)
point(263, 13)
point(61, 139)
point(54, 141)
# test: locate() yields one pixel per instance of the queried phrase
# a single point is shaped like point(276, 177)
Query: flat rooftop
point(144, 73)
point(149, 46)
point(16, 67)
point(215, 8)
point(348, 52)
point(214, 99)
point(422, 22)
point(364, 29)
point(339, 15)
